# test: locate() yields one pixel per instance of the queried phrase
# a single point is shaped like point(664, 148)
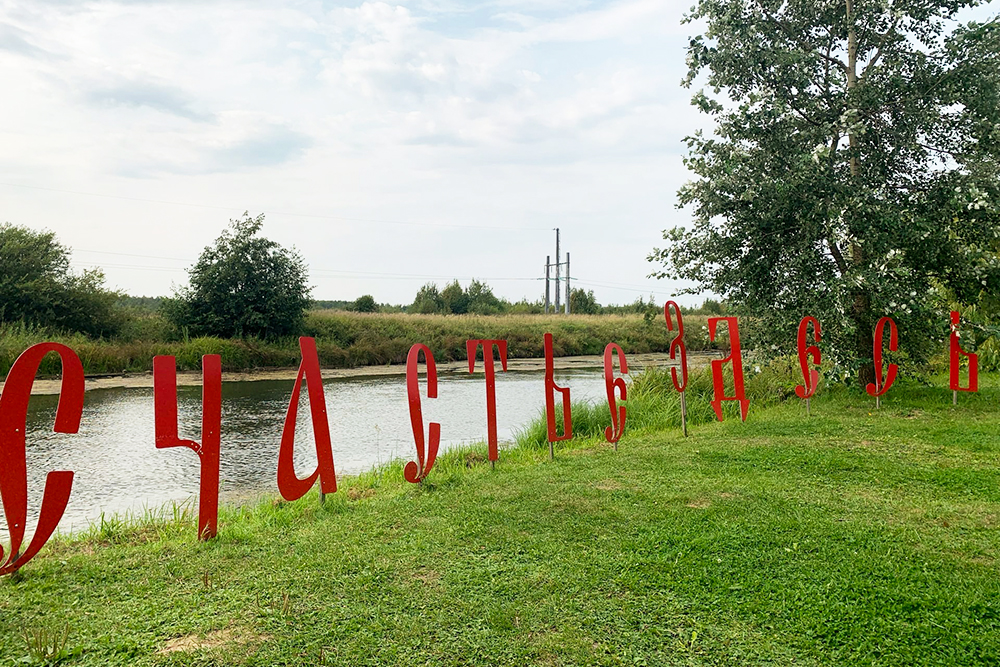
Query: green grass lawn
point(854, 538)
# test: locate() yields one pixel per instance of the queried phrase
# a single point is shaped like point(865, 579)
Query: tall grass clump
point(653, 403)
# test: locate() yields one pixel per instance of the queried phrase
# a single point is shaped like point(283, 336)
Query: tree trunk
point(865, 338)
point(861, 311)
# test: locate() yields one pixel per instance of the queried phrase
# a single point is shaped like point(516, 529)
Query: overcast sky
point(390, 143)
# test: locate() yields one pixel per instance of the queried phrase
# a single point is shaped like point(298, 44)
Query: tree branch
point(802, 44)
point(838, 257)
point(878, 49)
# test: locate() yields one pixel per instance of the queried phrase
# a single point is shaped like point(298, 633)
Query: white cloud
point(508, 113)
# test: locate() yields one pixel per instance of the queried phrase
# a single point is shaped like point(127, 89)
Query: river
point(119, 470)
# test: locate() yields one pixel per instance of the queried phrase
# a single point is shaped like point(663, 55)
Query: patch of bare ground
point(428, 577)
point(212, 640)
point(699, 504)
point(608, 485)
point(355, 493)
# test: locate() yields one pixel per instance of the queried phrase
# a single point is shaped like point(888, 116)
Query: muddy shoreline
point(636, 362)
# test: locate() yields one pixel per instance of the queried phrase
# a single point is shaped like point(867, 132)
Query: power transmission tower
point(548, 263)
point(548, 276)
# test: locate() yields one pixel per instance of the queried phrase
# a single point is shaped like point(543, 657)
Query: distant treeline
point(476, 299)
point(346, 339)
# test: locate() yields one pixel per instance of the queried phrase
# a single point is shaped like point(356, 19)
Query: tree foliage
point(364, 304)
point(853, 170)
point(583, 302)
point(37, 286)
point(244, 285)
point(476, 299)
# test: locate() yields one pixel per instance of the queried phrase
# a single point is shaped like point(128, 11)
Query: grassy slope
point(851, 538)
point(346, 340)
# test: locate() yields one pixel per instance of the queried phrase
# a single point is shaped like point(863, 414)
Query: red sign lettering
point(491, 390)
point(677, 344)
point(289, 484)
point(165, 415)
point(955, 352)
point(880, 386)
point(614, 432)
point(550, 399)
point(13, 450)
point(735, 356)
point(806, 352)
point(416, 471)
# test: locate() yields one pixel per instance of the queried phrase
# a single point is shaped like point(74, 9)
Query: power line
point(339, 274)
point(444, 225)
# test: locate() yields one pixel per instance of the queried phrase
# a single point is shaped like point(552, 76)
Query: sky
point(391, 144)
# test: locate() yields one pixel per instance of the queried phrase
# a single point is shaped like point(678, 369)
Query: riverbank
point(854, 537)
point(352, 340)
point(637, 363)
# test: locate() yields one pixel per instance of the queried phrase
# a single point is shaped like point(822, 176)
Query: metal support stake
point(684, 412)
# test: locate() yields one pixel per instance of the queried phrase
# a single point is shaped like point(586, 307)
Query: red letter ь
point(881, 386)
point(955, 359)
point(550, 400)
point(416, 472)
point(165, 411)
point(289, 484)
point(491, 390)
point(13, 450)
point(614, 432)
point(735, 356)
point(810, 375)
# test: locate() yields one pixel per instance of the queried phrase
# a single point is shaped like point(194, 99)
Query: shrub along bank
point(854, 537)
point(347, 340)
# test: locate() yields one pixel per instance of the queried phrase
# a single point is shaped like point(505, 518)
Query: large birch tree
point(852, 172)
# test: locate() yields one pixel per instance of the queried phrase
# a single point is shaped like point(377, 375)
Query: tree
point(427, 301)
point(455, 299)
point(481, 299)
point(364, 304)
point(37, 286)
point(583, 302)
point(854, 167)
point(244, 285)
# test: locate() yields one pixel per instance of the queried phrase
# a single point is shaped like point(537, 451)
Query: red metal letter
point(415, 472)
point(614, 432)
point(165, 411)
point(809, 375)
point(955, 354)
point(677, 344)
point(289, 484)
point(880, 387)
point(13, 450)
point(491, 391)
point(736, 356)
point(550, 398)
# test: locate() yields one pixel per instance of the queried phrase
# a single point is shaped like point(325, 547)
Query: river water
point(119, 470)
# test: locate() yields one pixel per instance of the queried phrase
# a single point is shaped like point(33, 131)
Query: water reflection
point(119, 470)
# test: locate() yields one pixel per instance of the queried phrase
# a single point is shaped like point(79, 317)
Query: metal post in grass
point(684, 424)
